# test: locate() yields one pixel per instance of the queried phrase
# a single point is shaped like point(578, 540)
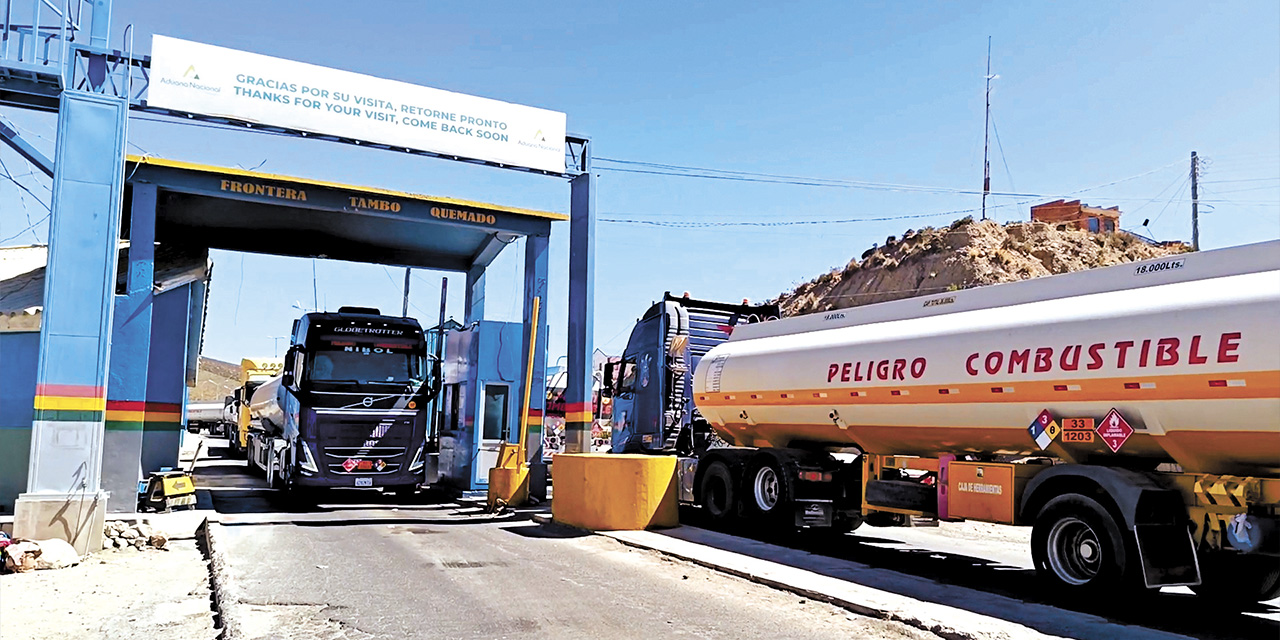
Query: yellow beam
point(230, 171)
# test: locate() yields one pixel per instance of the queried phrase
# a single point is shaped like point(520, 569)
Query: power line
point(686, 171)
point(1241, 180)
point(33, 225)
point(1264, 188)
point(399, 290)
point(1176, 180)
point(740, 176)
point(695, 224)
point(1177, 194)
point(22, 201)
point(22, 186)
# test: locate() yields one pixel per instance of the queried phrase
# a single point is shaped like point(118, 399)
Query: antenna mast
point(986, 138)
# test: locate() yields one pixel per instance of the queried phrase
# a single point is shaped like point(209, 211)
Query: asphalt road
point(996, 559)
point(356, 565)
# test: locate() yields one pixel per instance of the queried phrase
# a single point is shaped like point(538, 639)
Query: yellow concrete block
point(509, 485)
point(614, 492)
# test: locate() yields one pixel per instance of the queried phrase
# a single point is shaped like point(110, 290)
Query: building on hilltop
point(1079, 216)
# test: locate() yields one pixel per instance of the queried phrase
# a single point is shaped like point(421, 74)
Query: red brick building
point(1080, 216)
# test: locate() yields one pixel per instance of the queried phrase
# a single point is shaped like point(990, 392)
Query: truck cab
point(349, 408)
point(253, 372)
point(652, 385)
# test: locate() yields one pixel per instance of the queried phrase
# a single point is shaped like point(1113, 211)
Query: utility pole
point(405, 309)
point(986, 138)
point(440, 335)
point(1195, 202)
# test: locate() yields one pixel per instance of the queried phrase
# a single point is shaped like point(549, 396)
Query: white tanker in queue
point(1130, 415)
point(1193, 367)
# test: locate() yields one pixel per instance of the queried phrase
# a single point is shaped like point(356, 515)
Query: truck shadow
point(236, 488)
point(952, 579)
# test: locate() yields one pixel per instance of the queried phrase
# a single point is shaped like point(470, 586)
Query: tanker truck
point(349, 408)
point(1129, 415)
point(253, 372)
point(209, 417)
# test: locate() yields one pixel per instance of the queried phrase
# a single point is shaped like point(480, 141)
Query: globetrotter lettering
point(465, 216)
point(1133, 354)
point(897, 369)
point(369, 330)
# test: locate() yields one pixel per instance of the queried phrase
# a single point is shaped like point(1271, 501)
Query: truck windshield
point(365, 364)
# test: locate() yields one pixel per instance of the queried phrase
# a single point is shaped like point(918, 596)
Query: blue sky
point(1088, 94)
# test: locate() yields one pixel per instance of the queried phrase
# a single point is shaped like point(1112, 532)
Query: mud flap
point(814, 513)
point(1167, 555)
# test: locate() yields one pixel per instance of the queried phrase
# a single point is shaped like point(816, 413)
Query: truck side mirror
point(289, 374)
point(606, 388)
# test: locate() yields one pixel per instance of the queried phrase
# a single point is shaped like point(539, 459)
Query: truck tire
point(766, 493)
point(1078, 546)
point(238, 452)
point(717, 492)
point(1236, 580)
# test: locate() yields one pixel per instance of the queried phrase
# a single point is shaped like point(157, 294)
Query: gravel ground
point(151, 594)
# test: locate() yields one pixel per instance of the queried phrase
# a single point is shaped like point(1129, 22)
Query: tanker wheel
point(768, 494)
point(234, 450)
point(1078, 546)
point(1238, 580)
point(717, 493)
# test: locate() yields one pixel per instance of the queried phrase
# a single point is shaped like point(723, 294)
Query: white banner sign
point(204, 79)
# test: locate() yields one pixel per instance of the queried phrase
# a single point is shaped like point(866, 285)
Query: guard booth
point(483, 383)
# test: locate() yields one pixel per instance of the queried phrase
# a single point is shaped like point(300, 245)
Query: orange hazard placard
point(1077, 423)
point(1077, 436)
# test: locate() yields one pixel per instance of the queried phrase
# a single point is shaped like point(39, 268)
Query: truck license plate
point(364, 482)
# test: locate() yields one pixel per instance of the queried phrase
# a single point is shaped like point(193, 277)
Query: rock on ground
point(158, 596)
point(966, 254)
point(30, 555)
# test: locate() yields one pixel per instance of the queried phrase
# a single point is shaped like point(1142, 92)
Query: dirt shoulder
point(154, 594)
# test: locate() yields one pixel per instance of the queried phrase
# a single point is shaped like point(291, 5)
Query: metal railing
point(37, 35)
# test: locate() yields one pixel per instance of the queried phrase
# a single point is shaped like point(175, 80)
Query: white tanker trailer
point(1130, 415)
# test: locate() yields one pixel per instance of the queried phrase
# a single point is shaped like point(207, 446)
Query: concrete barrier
point(614, 492)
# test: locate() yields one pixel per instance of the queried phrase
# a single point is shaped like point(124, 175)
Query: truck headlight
point(308, 463)
point(418, 462)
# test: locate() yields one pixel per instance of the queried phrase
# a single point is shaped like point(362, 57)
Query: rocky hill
point(215, 380)
point(963, 255)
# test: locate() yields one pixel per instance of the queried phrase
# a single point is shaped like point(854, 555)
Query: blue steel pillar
point(535, 286)
point(167, 379)
point(578, 390)
point(475, 295)
point(63, 479)
point(130, 346)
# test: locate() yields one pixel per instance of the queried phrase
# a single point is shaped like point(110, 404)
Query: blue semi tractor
point(652, 385)
point(349, 408)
